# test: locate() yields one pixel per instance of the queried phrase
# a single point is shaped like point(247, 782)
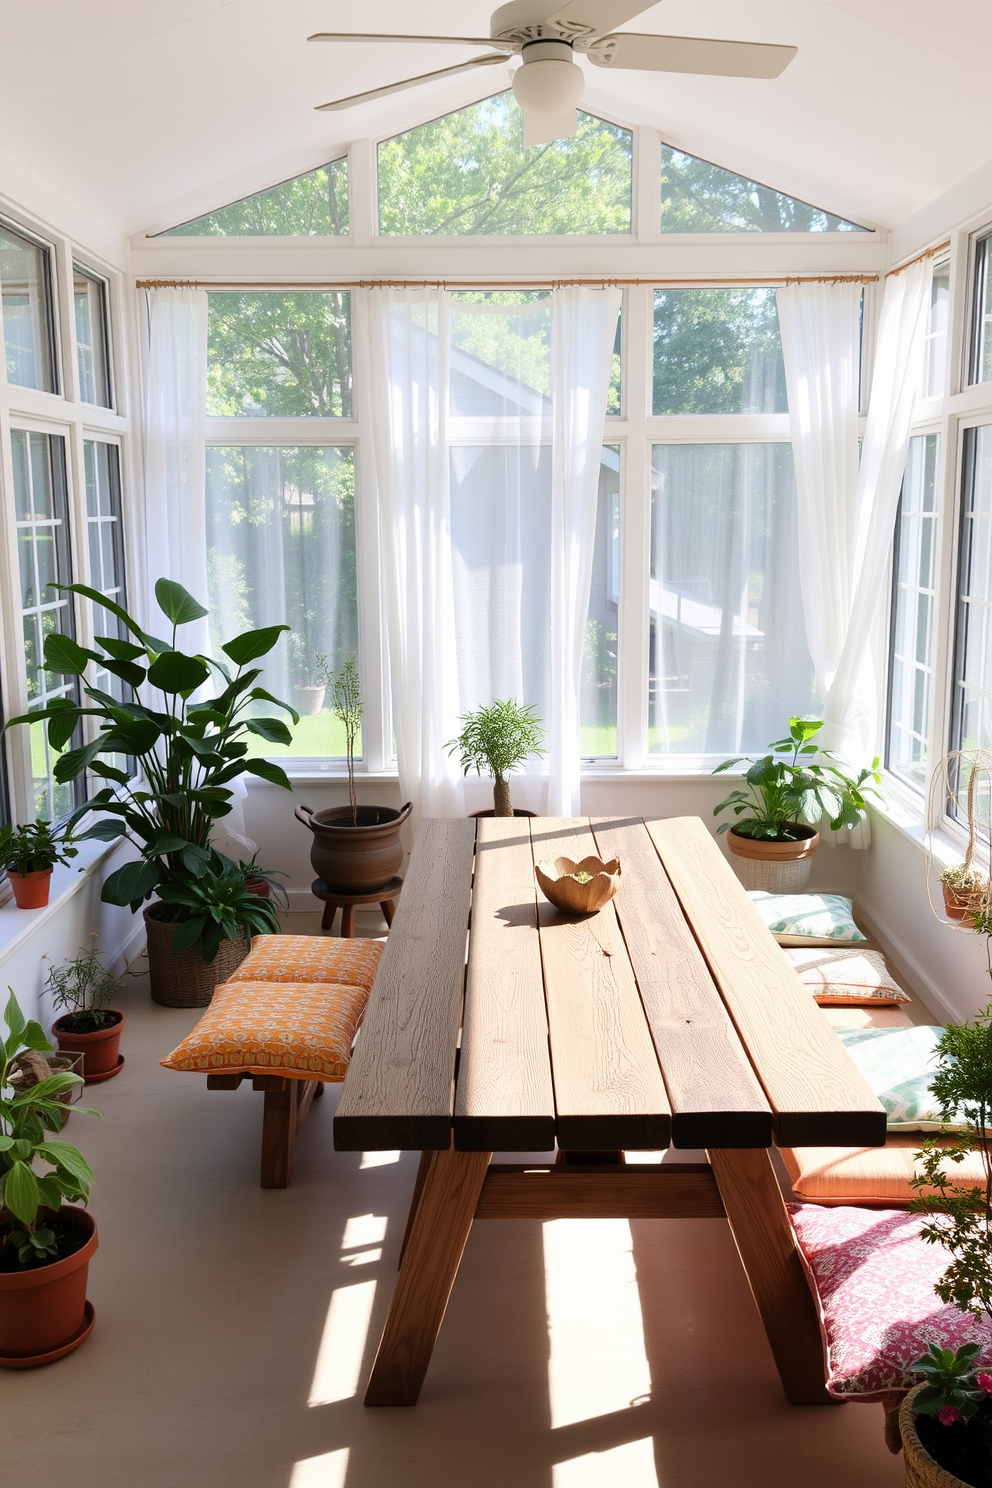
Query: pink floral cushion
point(873, 1279)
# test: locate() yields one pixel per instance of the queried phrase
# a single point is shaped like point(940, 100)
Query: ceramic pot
point(308, 698)
point(44, 1309)
point(30, 889)
point(100, 1048)
point(566, 893)
point(187, 980)
point(355, 860)
point(258, 886)
point(921, 1469)
point(776, 867)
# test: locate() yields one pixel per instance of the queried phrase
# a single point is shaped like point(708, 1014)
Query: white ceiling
point(149, 113)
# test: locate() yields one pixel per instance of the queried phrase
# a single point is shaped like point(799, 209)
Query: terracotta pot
point(43, 1309)
point(30, 889)
point(308, 698)
point(558, 885)
point(100, 1049)
point(355, 860)
point(187, 980)
point(258, 886)
point(921, 1469)
point(956, 907)
point(777, 867)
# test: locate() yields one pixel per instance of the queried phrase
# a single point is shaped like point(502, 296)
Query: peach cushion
point(300, 1029)
point(857, 1175)
point(845, 977)
point(310, 958)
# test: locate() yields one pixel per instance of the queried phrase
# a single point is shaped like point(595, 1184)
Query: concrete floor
point(235, 1329)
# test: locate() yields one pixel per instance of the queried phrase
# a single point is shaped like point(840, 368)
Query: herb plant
point(82, 988)
point(34, 847)
point(212, 906)
point(498, 739)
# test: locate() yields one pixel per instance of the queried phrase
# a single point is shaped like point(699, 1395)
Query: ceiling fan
point(546, 33)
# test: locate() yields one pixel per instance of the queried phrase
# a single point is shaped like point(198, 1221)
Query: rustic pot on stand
point(355, 859)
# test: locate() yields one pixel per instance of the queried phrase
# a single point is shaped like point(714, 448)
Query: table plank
point(715, 1096)
point(504, 1098)
point(399, 1088)
point(811, 1083)
point(609, 1093)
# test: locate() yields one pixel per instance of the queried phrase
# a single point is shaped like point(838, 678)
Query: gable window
point(697, 197)
point(467, 173)
point(28, 324)
point(311, 205)
point(279, 355)
point(89, 296)
point(717, 351)
point(914, 578)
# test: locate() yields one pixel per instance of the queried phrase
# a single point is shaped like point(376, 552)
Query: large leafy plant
point(785, 791)
point(187, 752)
point(27, 1112)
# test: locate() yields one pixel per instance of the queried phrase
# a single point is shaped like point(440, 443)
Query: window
point(28, 327)
point(981, 347)
point(312, 205)
point(935, 345)
point(914, 580)
point(43, 551)
point(281, 550)
point(717, 351)
point(697, 197)
point(728, 657)
point(279, 355)
point(971, 725)
point(89, 295)
point(466, 173)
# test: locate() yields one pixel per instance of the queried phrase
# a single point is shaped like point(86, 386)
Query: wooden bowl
point(560, 886)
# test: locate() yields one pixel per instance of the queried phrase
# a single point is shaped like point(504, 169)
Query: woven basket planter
point(776, 867)
point(187, 980)
point(921, 1470)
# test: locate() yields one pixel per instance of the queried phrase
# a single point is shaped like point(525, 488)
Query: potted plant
point(966, 887)
point(83, 987)
point(29, 854)
point(966, 892)
point(45, 1245)
point(498, 739)
point(201, 930)
point(355, 849)
point(263, 881)
point(308, 689)
point(946, 1422)
point(773, 838)
point(186, 752)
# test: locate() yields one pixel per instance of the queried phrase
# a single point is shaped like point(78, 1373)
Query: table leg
point(760, 1226)
point(448, 1196)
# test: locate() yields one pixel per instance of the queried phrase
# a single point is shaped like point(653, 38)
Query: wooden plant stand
point(334, 900)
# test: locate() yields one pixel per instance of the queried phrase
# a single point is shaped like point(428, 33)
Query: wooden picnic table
point(671, 1017)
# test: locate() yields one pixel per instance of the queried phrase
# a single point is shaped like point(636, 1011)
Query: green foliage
point(214, 905)
point(314, 204)
point(498, 738)
point(701, 198)
point(717, 351)
point(187, 753)
point(34, 847)
point(251, 870)
point(346, 702)
point(83, 987)
point(952, 1391)
point(468, 173)
point(783, 794)
point(282, 355)
point(960, 1218)
point(27, 1112)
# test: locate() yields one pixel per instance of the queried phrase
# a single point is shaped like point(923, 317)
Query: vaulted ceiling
point(148, 113)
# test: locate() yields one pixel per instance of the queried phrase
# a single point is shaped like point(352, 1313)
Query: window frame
point(52, 328)
point(77, 266)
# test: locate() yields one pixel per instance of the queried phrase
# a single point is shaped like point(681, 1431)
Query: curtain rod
point(770, 281)
point(927, 253)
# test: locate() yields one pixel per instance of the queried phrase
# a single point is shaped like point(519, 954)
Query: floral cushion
point(310, 958)
point(873, 1279)
point(301, 1029)
point(846, 977)
point(898, 1064)
point(807, 919)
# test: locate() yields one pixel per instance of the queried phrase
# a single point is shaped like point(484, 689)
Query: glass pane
point(728, 658)
point(972, 728)
point(27, 322)
point(697, 197)
point(279, 355)
point(935, 346)
point(982, 351)
point(90, 301)
point(281, 550)
point(717, 351)
point(312, 205)
point(500, 354)
point(467, 173)
point(598, 707)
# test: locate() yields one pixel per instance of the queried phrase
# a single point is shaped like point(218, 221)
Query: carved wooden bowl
point(559, 884)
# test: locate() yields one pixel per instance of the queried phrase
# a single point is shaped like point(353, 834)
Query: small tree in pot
point(81, 989)
point(498, 739)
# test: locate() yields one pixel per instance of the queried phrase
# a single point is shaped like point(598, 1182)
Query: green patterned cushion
point(898, 1064)
point(807, 919)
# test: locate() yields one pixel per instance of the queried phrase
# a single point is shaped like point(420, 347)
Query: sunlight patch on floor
point(364, 1229)
point(597, 1362)
point(628, 1466)
point(342, 1345)
point(327, 1471)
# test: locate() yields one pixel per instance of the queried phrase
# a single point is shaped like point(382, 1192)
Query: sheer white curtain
point(406, 344)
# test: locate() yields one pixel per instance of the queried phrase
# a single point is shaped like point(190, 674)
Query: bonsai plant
point(785, 792)
point(29, 854)
point(83, 987)
point(186, 752)
point(356, 850)
point(41, 1316)
point(498, 739)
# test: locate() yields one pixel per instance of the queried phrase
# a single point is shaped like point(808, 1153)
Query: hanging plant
point(966, 886)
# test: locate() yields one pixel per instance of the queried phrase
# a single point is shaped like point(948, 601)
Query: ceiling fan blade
point(380, 36)
point(751, 59)
point(595, 17)
point(543, 129)
point(414, 82)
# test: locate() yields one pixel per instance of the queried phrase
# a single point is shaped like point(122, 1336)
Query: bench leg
point(767, 1246)
point(285, 1111)
point(449, 1193)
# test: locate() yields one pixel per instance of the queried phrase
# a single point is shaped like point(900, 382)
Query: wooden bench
point(287, 1105)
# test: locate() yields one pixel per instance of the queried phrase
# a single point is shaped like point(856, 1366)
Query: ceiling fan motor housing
point(548, 82)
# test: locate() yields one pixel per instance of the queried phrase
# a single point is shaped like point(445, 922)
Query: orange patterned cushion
point(310, 958)
point(301, 1029)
